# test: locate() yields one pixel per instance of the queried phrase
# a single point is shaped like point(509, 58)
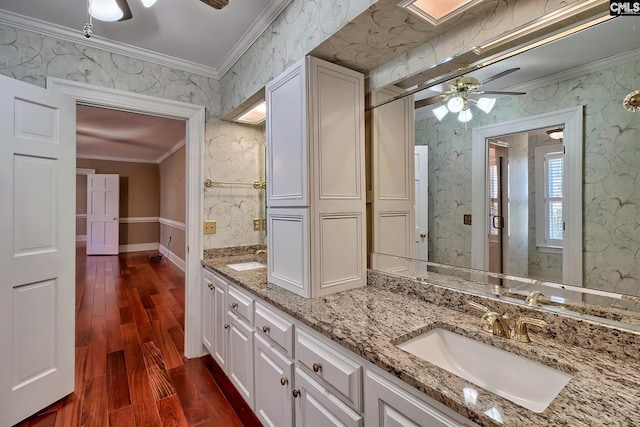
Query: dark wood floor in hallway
point(130, 369)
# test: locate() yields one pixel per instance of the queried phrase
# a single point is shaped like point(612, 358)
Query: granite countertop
point(604, 390)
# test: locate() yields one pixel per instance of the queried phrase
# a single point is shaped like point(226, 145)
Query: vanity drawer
point(240, 304)
point(276, 328)
point(336, 369)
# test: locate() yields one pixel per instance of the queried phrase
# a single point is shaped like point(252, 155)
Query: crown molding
point(172, 150)
point(262, 22)
point(115, 159)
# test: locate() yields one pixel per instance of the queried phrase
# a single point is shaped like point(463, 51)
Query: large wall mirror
point(533, 164)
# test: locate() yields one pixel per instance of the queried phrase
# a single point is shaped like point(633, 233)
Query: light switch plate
point(256, 224)
point(209, 227)
point(264, 224)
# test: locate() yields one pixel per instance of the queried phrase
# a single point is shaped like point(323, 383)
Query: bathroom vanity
point(338, 357)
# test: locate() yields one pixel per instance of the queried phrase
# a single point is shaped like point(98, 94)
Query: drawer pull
point(284, 381)
point(210, 286)
point(234, 305)
point(295, 393)
point(265, 329)
point(317, 367)
point(226, 326)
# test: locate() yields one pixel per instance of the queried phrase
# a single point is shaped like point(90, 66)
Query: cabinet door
point(287, 146)
point(316, 406)
point(273, 385)
point(240, 357)
point(208, 297)
point(219, 323)
point(387, 405)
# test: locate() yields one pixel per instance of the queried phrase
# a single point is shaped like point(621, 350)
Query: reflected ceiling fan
point(462, 92)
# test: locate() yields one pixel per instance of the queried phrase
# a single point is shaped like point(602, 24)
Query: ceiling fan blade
point(216, 4)
point(126, 11)
point(497, 76)
point(428, 101)
point(497, 92)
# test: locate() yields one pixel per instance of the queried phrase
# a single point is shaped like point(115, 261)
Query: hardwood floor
point(130, 369)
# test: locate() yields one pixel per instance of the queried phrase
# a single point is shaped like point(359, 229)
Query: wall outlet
point(209, 227)
point(257, 224)
point(466, 219)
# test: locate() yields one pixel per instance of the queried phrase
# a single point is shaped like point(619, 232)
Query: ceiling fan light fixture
point(455, 104)
point(486, 104)
point(465, 116)
point(105, 10)
point(148, 3)
point(440, 112)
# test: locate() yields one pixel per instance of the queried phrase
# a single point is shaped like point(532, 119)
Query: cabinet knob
point(265, 329)
point(295, 393)
point(284, 381)
point(317, 367)
point(226, 326)
point(210, 285)
point(234, 305)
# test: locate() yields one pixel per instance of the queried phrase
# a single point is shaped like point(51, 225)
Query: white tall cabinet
point(315, 179)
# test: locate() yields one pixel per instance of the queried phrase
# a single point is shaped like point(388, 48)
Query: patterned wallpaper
point(232, 151)
point(611, 174)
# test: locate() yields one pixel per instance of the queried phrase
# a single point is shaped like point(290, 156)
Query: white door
point(37, 249)
point(240, 357)
point(421, 203)
point(103, 205)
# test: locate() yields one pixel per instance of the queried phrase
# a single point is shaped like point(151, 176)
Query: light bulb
point(105, 10)
point(455, 104)
point(148, 3)
point(440, 112)
point(486, 104)
point(465, 116)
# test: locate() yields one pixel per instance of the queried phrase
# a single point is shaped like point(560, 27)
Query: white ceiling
point(187, 33)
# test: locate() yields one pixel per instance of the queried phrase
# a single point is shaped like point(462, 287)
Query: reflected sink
point(518, 379)
point(244, 266)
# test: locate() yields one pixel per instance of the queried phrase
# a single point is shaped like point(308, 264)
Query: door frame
point(572, 121)
point(194, 115)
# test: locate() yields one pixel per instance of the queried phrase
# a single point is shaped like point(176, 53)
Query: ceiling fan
point(102, 10)
point(463, 91)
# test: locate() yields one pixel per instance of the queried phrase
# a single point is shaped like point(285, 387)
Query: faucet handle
point(520, 333)
point(479, 306)
point(534, 298)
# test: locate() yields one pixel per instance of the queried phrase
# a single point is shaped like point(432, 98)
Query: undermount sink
point(518, 379)
point(244, 266)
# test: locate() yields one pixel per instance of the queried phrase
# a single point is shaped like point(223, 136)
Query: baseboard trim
point(138, 247)
point(238, 404)
point(81, 238)
point(175, 259)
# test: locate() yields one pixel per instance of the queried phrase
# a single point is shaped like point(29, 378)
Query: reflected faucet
point(261, 251)
point(534, 298)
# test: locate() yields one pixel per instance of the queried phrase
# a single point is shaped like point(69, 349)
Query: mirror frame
point(572, 121)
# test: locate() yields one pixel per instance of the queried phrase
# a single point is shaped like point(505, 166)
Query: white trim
point(138, 219)
point(262, 22)
point(572, 120)
point(172, 150)
point(172, 223)
point(84, 171)
point(138, 247)
point(194, 180)
point(114, 158)
point(81, 216)
point(81, 238)
point(175, 259)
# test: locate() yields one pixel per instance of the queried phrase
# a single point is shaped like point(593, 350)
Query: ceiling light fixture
point(255, 115)
point(632, 101)
point(556, 133)
point(460, 105)
point(109, 11)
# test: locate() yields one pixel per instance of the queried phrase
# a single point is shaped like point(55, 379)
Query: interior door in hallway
point(37, 249)
point(103, 205)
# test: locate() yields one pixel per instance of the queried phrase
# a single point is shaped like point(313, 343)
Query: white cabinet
point(240, 357)
point(389, 405)
point(316, 406)
point(219, 326)
point(315, 179)
point(273, 385)
point(208, 297)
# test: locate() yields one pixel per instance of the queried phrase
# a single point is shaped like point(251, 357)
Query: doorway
point(195, 118)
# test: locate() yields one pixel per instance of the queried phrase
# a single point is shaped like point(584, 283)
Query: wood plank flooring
point(130, 369)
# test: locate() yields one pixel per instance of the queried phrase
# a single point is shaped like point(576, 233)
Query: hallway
point(129, 345)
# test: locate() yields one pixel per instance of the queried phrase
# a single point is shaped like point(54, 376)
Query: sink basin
point(518, 379)
point(243, 266)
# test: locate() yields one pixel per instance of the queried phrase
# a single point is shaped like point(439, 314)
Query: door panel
point(37, 253)
point(103, 196)
point(421, 203)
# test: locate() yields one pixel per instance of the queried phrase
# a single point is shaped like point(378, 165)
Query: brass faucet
point(261, 251)
point(534, 298)
point(520, 332)
point(496, 324)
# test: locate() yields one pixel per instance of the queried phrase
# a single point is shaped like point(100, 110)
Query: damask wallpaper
point(611, 187)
